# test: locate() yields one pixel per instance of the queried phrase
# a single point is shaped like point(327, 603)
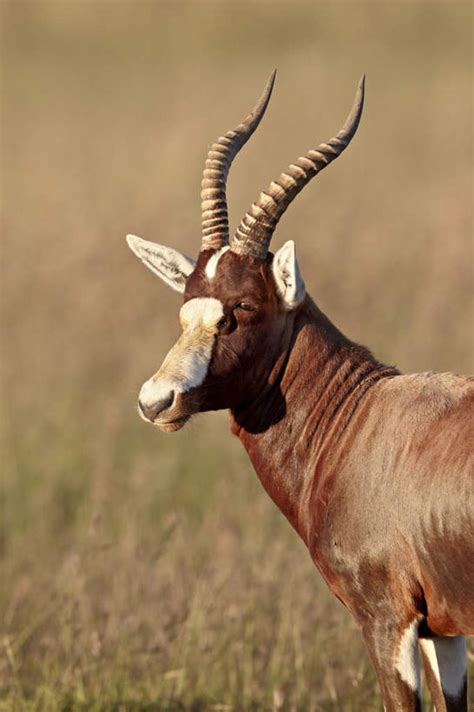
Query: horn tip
point(360, 96)
point(270, 83)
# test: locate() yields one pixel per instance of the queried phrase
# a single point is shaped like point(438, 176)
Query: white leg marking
point(407, 661)
point(211, 265)
point(448, 661)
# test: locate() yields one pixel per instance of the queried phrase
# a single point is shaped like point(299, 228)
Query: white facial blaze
point(211, 266)
point(186, 365)
point(407, 660)
point(201, 312)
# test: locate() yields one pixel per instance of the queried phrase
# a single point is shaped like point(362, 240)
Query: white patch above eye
point(211, 266)
point(170, 265)
point(205, 311)
point(286, 271)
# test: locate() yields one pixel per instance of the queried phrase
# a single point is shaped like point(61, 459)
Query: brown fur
point(372, 468)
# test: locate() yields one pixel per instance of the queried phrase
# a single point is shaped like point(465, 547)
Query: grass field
point(142, 571)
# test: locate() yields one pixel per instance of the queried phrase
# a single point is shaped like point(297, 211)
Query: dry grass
point(143, 571)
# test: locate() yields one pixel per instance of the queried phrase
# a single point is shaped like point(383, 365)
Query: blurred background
point(144, 571)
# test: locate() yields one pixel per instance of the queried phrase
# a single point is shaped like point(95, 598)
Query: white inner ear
point(170, 265)
point(287, 275)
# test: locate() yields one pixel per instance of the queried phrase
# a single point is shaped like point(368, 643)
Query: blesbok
point(371, 467)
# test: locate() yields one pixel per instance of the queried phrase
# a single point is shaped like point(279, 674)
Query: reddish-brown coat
point(372, 468)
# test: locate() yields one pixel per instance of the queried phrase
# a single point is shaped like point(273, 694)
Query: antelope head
point(240, 300)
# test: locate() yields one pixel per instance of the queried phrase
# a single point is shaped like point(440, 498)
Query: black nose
point(152, 410)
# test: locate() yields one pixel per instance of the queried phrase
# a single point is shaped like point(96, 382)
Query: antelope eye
point(243, 305)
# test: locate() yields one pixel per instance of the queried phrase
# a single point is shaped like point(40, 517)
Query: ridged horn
point(215, 222)
point(256, 228)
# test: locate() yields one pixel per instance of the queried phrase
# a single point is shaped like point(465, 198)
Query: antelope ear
point(172, 266)
point(286, 271)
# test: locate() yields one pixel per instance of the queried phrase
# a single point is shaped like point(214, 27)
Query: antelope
point(372, 468)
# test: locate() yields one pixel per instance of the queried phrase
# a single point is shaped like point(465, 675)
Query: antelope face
point(234, 320)
point(239, 300)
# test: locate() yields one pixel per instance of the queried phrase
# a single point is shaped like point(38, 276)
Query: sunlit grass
point(142, 571)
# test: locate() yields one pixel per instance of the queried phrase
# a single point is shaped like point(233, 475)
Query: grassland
point(141, 571)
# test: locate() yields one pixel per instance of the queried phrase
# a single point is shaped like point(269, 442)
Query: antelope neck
point(307, 404)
